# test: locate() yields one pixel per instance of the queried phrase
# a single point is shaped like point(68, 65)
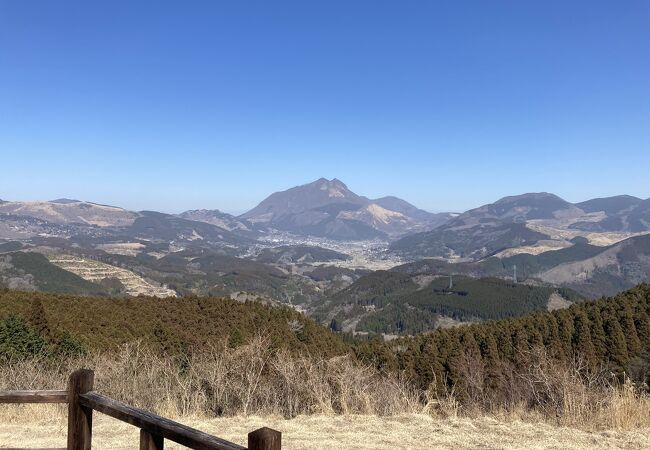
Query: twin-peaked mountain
point(327, 208)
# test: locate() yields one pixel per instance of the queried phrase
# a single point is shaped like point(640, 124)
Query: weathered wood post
point(80, 418)
point(264, 439)
point(150, 441)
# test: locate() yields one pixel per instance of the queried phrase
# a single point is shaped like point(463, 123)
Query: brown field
point(45, 426)
point(317, 403)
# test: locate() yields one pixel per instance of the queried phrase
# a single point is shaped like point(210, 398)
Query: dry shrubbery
point(250, 379)
point(254, 379)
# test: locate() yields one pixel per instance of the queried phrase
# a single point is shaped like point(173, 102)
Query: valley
point(313, 246)
point(324, 225)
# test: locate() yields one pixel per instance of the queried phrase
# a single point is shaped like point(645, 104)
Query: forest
point(406, 304)
point(607, 339)
point(590, 350)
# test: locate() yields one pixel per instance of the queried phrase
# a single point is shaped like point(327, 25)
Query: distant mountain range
point(539, 220)
point(298, 246)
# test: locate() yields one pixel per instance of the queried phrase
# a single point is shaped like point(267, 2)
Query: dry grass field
point(45, 426)
point(335, 403)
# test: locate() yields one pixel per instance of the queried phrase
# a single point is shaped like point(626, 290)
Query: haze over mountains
point(324, 208)
point(314, 245)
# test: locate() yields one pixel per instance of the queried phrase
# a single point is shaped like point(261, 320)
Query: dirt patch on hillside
point(556, 301)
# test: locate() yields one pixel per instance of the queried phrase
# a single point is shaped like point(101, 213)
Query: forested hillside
point(608, 336)
point(551, 363)
point(171, 325)
point(402, 303)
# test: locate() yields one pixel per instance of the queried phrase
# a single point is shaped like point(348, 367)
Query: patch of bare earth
point(556, 301)
point(361, 432)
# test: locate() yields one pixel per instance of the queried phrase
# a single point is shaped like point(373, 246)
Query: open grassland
point(407, 431)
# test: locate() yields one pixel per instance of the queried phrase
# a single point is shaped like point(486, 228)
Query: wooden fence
point(154, 429)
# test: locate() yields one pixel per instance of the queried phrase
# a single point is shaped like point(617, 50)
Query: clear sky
point(215, 104)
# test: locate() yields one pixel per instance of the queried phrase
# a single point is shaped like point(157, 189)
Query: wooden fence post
point(264, 439)
point(150, 441)
point(80, 418)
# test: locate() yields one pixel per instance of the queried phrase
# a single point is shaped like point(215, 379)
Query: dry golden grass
point(327, 403)
point(404, 431)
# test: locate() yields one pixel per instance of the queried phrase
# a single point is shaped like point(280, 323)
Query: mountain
point(519, 208)
point(592, 270)
point(303, 198)
point(529, 223)
point(402, 206)
point(327, 208)
point(90, 225)
point(66, 212)
point(166, 228)
point(65, 201)
point(220, 219)
point(622, 213)
point(610, 205)
point(488, 229)
point(613, 269)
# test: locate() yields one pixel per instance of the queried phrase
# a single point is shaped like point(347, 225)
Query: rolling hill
point(592, 270)
point(66, 212)
point(395, 302)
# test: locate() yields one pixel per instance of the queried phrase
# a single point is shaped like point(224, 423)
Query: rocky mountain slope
point(327, 208)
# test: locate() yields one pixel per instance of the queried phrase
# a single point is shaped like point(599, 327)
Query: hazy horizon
point(239, 212)
point(212, 105)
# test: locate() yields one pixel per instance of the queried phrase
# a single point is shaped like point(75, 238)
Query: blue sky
point(215, 104)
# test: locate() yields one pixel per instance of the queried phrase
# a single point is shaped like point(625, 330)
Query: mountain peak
point(536, 196)
point(334, 182)
point(64, 201)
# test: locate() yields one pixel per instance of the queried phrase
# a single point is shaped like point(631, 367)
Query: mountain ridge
point(525, 220)
point(328, 208)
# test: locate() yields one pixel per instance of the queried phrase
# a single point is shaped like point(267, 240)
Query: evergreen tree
point(38, 318)
point(582, 343)
point(616, 344)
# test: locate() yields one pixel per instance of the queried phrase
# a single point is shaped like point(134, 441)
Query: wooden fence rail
point(154, 429)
